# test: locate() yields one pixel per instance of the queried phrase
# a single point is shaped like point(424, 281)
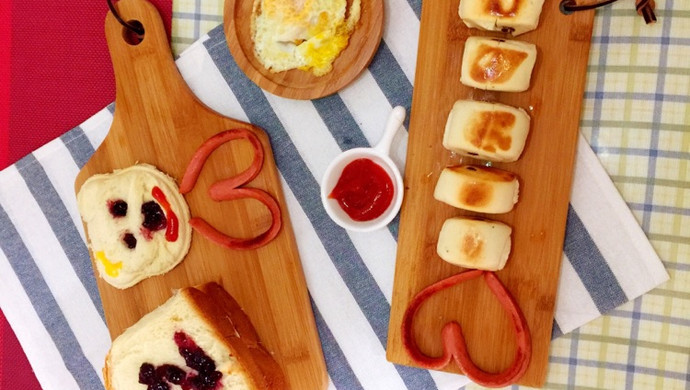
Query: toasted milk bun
point(490, 131)
point(497, 64)
point(478, 188)
point(474, 243)
point(514, 16)
point(111, 237)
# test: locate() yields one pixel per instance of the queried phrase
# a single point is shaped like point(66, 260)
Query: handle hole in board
point(132, 37)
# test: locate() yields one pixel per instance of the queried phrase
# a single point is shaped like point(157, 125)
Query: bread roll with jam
point(478, 188)
point(497, 64)
point(199, 339)
point(511, 16)
point(490, 131)
point(474, 243)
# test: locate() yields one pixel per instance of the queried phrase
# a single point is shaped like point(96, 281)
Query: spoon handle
point(395, 120)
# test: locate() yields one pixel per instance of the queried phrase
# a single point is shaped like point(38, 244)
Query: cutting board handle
point(144, 71)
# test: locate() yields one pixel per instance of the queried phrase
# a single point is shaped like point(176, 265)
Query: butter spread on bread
point(137, 223)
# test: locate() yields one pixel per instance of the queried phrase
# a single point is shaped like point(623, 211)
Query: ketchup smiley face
point(364, 190)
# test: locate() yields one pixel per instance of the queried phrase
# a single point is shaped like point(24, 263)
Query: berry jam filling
point(130, 240)
point(117, 208)
point(154, 217)
point(202, 376)
point(147, 374)
point(171, 373)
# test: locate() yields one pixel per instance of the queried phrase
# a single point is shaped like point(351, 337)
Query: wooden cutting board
point(159, 121)
point(545, 169)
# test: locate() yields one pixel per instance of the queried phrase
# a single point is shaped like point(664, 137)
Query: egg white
point(302, 34)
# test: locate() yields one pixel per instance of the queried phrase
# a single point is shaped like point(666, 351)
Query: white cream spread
point(124, 249)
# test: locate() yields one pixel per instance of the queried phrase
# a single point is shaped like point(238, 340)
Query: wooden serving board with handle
point(538, 220)
point(159, 121)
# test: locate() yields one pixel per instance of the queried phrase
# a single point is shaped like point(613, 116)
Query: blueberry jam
point(117, 208)
point(160, 385)
point(201, 376)
point(171, 373)
point(154, 217)
point(147, 374)
point(129, 240)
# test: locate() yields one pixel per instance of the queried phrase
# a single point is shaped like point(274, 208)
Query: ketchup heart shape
point(230, 189)
point(454, 346)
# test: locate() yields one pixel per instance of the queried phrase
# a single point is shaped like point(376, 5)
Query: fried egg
point(302, 34)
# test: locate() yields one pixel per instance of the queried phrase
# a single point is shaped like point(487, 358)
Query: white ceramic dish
point(378, 154)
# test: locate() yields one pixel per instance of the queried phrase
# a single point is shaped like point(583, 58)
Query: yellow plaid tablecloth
point(636, 117)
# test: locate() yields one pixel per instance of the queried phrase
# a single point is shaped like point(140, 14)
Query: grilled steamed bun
point(478, 188)
point(199, 339)
point(490, 131)
point(514, 16)
point(497, 64)
point(474, 243)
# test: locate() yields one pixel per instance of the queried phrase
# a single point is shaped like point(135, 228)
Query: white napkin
point(49, 296)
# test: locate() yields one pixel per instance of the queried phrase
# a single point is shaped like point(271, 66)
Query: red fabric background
point(55, 72)
point(5, 55)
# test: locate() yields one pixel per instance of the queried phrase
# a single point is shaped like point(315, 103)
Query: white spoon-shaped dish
point(379, 154)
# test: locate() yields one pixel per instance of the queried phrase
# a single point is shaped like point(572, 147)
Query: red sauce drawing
point(171, 231)
point(364, 190)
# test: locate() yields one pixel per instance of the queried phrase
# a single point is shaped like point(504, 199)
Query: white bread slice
point(478, 188)
point(490, 131)
point(474, 243)
point(211, 319)
point(497, 64)
point(513, 16)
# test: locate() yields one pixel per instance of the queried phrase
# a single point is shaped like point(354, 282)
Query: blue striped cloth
point(48, 291)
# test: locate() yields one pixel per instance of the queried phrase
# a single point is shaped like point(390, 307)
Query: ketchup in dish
point(364, 190)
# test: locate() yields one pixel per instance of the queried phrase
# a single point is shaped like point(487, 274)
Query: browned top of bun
point(234, 327)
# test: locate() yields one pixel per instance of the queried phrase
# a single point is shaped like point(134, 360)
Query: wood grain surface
point(545, 170)
point(159, 121)
point(295, 83)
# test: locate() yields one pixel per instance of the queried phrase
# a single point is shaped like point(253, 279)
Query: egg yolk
point(302, 34)
point(326, 44)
